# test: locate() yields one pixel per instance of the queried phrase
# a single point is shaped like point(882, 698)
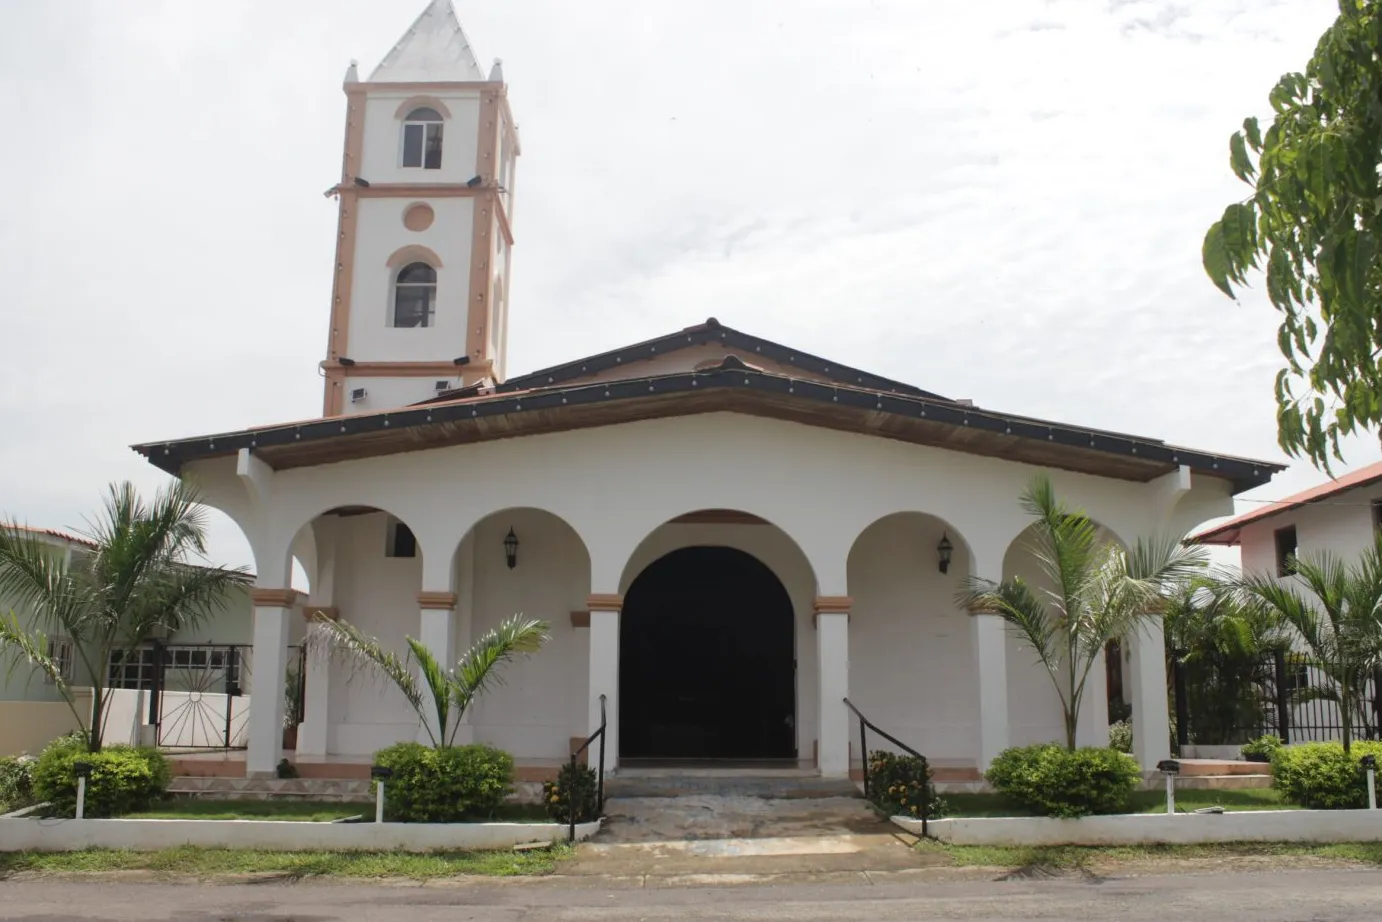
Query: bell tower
point(419, 301)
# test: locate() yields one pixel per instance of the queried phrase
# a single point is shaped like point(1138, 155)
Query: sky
point(1002, 201)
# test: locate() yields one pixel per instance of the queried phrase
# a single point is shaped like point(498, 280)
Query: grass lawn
point(1063, 857)
point(207, 862)
point(300, 811)
point(1142, 802)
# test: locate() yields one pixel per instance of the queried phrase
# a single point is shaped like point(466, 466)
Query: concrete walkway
point(744, 837)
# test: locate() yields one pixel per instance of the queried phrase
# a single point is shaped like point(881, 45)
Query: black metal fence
point(1287, 695)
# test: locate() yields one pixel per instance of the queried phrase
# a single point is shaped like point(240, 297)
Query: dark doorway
point(707, 668)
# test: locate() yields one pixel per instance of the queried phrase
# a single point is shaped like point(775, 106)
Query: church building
point(729, 536)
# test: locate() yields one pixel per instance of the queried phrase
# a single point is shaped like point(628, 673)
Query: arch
point(312, 523)
point(422, 131)
point(707, 659)
point(414, 296)
point(412, 103)
point(411, 254)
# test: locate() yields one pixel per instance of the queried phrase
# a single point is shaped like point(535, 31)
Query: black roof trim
point(712, 331)
point(1245, 473)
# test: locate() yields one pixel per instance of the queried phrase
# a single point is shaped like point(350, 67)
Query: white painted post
point(604, 675)
point(990, 641)
point(1170, 794)
point(437, 632)
point(1372, 788)
point(832, 658)
point(272, 609)
point(81, 796)
point(379, 800)
point(1151, 720)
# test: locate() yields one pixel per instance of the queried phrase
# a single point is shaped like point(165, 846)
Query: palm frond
point(438, 686)
point(344, 641)
point(513, 638)
point(30, 648)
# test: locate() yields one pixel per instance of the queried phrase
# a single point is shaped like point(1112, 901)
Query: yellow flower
point(556, 798)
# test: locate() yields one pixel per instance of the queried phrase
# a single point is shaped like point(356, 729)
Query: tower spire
point(435, 49)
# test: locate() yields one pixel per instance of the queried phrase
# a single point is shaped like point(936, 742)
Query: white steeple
point(434, 50)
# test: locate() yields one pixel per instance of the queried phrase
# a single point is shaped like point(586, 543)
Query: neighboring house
point(1340, 517)
point(728, 535)
point(32, 712)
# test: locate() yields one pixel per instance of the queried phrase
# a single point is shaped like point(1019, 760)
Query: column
point(463, 625)
point(1092, 730)
point(580, 716)
point(272, 608)
point(991, 669)
point(832, 660)
point(1146, 677)
point(314, 736)
point(437, 632)
point(604, 675)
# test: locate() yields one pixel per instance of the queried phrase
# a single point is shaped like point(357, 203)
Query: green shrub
point(1262, 749)
point(444, 785)
point(900, 785)
point(576, 786)
point(1052, 781)
point(1320, 776)
point(123, 779)
point(1120, 736)
point(16, 782)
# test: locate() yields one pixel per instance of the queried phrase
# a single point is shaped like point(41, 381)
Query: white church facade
point(728, 536)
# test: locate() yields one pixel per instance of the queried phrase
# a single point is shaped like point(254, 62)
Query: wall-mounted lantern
point(943, 552)
point(511, 549)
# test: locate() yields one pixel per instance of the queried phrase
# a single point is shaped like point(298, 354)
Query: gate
point(198, 699)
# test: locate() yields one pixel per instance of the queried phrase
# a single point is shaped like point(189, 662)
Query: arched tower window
point(422, 138)
point(414, 295)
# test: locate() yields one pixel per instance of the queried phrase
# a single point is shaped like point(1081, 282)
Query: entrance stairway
point(774, 783)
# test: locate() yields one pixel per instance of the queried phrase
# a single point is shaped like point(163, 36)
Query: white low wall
point(57, 835)
point(1158, 828)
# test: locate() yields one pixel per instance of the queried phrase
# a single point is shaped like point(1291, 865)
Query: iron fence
point(1288, 695)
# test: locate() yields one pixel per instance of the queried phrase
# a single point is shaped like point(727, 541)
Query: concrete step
point(1190, 767)
point(212, 788)
point(785, 784)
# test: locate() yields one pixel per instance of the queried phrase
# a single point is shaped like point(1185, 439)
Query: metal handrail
point(600, 777)
point(864, 723)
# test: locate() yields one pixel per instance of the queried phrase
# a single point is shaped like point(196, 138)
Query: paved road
point(1283, 896)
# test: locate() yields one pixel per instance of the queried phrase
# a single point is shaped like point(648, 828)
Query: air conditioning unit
point(442, 386)
point(357, 394)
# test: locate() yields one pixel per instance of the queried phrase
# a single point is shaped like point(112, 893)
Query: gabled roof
point(433, 50)
point(50, 533)
point(1231, 532)
point(868, 404)
point(712, 331)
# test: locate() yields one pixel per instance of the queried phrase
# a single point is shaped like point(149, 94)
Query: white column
point(314, 734)
point(1146, 676)
point(604, 675)
point(990, 641)
point(463, 625)
point(437, 632)
point(272, 609)
point(832, 661)
point(1092, 730)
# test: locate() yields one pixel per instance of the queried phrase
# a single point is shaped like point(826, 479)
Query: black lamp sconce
point(511, 549)
point(944, 550)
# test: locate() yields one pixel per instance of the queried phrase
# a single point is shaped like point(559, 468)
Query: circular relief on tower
point(418, 217)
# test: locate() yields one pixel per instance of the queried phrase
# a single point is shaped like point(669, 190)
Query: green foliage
point(1313, 223)
point(576, 786)
point(123, 779)
point(1321, 776)
point(1120, 736)
point(1339, 617)
point(16, 782)
point(444, 784)
point(1097, 593)
point(1221, 641)
point(900, 785)
point(1053, 781)
point(137, 581)
point(1118, 709)
point(1263, 748)
point(286, 769)
point(443, 695)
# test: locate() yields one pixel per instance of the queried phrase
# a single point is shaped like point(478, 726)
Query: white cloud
point(1001, 201)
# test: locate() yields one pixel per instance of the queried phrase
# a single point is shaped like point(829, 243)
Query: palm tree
point(1340, 621)
point(136, 583)
point(1221, 640)
point(1096, 592)
point(448, 692)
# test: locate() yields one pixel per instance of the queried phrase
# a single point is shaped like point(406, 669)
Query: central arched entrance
point(706, 660)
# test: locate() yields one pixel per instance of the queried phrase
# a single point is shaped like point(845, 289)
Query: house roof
point(51, 533)
point(1230, 532)
point(433, 50)
point(557, 399)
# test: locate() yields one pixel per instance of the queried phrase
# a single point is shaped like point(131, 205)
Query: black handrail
point(600, 778)
point(864, 722)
